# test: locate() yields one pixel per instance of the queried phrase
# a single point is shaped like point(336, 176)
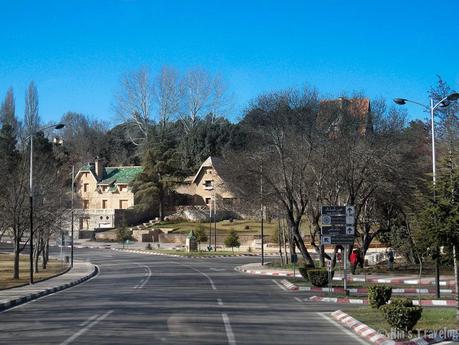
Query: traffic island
point(429, 330)
point(80, 272)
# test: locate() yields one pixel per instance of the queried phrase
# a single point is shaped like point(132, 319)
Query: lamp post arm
point(439, 103)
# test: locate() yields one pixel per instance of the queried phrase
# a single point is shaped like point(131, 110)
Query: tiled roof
point(123, 175)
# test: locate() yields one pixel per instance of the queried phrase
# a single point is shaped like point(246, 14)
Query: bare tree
point(134, 103)
point(167, 95)
point(31, 116)
point(7, 110)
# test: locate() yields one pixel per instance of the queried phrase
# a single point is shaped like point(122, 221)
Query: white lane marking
point(219, 301)
point(279, 284)
point(345, 330)
point(86, 328)
point(53, 293)
point(217, 269)
point(228, 329)
point(84, 323)
point(145, 280)
point(298, 299)
point(205, 275)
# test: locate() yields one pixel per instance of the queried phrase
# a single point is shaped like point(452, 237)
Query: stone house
point(208, 185)
point(103, 195)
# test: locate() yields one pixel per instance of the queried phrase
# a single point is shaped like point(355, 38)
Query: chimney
point(99, 167)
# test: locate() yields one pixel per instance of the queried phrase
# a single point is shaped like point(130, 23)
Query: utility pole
point(31, 210)
point(210, 226)
point(262, 215)
point(71, 225)
point(215, 222)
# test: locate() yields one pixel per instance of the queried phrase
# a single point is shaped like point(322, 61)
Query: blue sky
point(76, 51)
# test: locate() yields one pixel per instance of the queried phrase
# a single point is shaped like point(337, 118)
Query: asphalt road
point(139, 299)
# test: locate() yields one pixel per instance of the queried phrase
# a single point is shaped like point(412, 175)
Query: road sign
point(334, 230)
point(350, 211)
point(350, 230)
point(337, 224)
point(338, 239)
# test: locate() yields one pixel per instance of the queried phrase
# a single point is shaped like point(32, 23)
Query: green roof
point(120, 174)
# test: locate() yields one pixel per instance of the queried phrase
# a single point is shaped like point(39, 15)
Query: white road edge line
point(345, 330)
point(279, 284)
point(87, 328)
point(228, 329)
point(84, 323)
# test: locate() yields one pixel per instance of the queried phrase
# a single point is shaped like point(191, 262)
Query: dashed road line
point(219, 301)
point(86, 328)
point(229, 330)
point(84, 323)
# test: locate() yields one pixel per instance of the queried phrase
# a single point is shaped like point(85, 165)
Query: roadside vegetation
point(7, 265)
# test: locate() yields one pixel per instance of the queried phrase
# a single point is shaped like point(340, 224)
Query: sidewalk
point(80, 272)
point(401, 279)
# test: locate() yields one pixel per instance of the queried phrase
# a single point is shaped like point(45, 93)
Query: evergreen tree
point(232, 240)
point(161, 173)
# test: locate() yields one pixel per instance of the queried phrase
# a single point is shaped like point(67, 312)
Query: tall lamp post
point(444, 102)
point(31, 136)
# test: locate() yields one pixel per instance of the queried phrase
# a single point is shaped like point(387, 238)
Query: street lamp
point(31, 136)
point(444, 102)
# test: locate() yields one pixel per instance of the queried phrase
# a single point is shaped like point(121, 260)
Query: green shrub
point(401, 314)
point(318, 277)
point(149, 247)
point(379, 295)
point(304, 271)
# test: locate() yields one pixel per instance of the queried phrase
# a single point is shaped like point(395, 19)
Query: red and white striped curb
point(293, 287)
point(266, 273)
point(397, 281)
point(375, 337)
point(289, 285)
point(346, 300)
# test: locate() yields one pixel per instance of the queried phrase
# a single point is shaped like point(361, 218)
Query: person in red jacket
point(354, 259)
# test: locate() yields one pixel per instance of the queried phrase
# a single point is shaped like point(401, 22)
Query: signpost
point(338, 227)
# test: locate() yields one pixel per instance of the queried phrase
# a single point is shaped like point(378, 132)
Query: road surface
point(140, 299)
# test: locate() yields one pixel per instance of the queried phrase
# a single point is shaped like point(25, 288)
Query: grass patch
point(244, 227)
point(432, 319)
point(200, 253)
point(6, 270)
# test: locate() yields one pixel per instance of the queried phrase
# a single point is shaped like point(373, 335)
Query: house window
point(208, 201)
point(209, 171)
point(85, 204)
point(85, 187)
point(122, 188)
point(208, 183)
point(104, 203)
point(123, 204)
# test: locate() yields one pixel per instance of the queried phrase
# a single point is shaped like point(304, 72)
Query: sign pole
point(345, 268)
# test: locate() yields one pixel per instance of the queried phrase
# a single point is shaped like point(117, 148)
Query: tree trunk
point(16, 259)
point(300, 244)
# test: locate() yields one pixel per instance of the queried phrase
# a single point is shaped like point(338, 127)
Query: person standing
point(390, 259)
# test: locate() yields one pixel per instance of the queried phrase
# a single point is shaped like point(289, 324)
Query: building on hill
point(208, 185)
point(103, 196)
point(331, 113)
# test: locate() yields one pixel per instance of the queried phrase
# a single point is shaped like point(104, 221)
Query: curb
point(182, 256)
point(398, 281)
point(345, 300)
point(294, 287)
point(266, 273)
point(18, 301)
point(374, 337)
